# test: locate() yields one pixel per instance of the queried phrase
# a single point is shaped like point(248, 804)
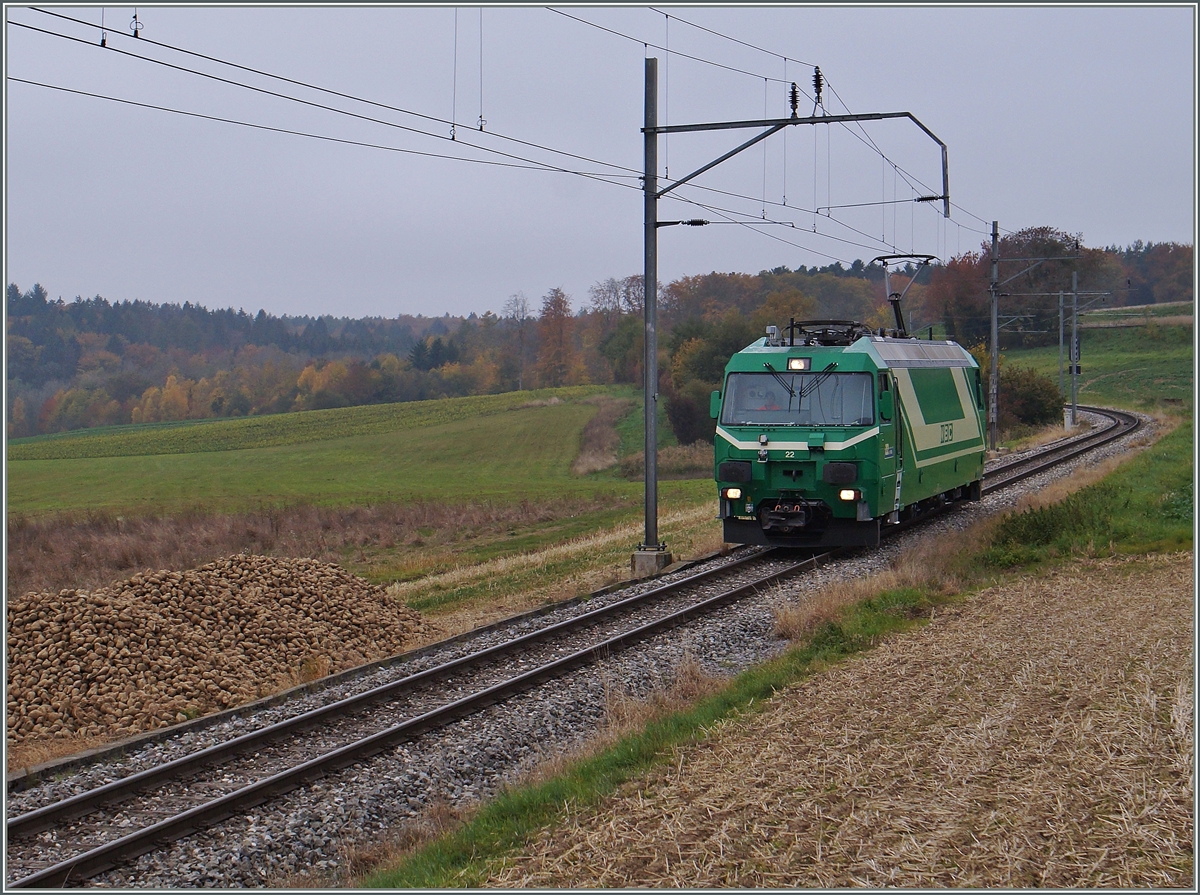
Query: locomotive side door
point(899, 423)
point(891, 444)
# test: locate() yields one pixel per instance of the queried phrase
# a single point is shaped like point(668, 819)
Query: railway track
point(1005, 473)
point(107, 826)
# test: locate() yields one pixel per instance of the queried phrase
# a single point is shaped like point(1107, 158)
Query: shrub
point(687, 412)
point(1027, 398)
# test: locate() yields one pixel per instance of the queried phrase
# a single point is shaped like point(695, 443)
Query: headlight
point(733, 493)
point(799, 363)
point(848, 494)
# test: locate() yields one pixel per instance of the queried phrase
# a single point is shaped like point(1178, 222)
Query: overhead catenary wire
point(866, 141)
point(482, 121)
point(602, 177)
point(741, 42)
point(667, 98)
point(520, 161)
point(313, 104)
point(337, 93)
point(753, 226)
point(865, 136)
point(454, 79)
point(655, 46)
point(298, 83)
point(874, 244)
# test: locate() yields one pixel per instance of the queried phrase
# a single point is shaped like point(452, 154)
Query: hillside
point(453, 449)
point(1139, 367)
point(94, 362)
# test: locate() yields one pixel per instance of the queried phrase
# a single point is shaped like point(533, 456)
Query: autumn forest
point(96, 362)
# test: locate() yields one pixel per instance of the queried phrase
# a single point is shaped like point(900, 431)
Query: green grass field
point(1137, 314)
point(1143, 367)
point(305, 427)
point(496, 448)
point(519, 453)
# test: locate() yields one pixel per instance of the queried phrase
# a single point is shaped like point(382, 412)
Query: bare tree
point(606, 299)
point(516, 309)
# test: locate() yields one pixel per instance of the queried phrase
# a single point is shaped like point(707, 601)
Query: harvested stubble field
point(1038, 734)
point(86, 667)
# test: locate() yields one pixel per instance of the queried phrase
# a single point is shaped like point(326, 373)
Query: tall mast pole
point(994, 384)
point(1074, 348)
point(651, 556)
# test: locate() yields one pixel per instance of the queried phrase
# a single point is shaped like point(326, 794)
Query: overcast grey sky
point(1080, 118)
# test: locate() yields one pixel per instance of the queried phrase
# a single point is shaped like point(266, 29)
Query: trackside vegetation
point(1151, 494)
point(1147, 507)
point(463, 857)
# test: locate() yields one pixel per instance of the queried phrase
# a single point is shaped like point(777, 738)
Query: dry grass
point(599, 441)
point(1039, 735)
point(692, 461)
point(594, 554)
point(624, 714)
point(927, 566)
point(94, 550)
point(31, 753)
point(361, 859)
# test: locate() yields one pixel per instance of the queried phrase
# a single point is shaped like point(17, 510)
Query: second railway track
point(65, 841)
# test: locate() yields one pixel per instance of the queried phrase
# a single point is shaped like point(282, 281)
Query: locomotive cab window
point(799, 399)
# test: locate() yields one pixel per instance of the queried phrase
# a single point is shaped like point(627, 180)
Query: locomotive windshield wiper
point(806, 390)
point(786, 385)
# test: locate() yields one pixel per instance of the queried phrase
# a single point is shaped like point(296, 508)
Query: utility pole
point(994, 382)
point(1074, 347)
point(1060, 342)
point(652, 556)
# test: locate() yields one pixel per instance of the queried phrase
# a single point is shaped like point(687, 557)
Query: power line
point(754, 219)
point(603, 178)
point(527, 162)
point(309, 86)
point(911, 179)
point(646, 43)
point(518, 161)
point(749, 226)
point(867, 141)
point(733, 39)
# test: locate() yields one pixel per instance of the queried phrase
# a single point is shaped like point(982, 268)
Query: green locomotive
point(833, 429)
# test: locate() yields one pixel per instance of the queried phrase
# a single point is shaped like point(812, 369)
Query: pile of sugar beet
point(163, 647)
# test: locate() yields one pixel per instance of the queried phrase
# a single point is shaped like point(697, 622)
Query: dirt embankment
point(92, 666)
point(1039, 734)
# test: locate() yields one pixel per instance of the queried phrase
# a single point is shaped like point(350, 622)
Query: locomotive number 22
point(947, 432)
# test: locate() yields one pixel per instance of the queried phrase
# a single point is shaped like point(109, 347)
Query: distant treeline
point(92, 362)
